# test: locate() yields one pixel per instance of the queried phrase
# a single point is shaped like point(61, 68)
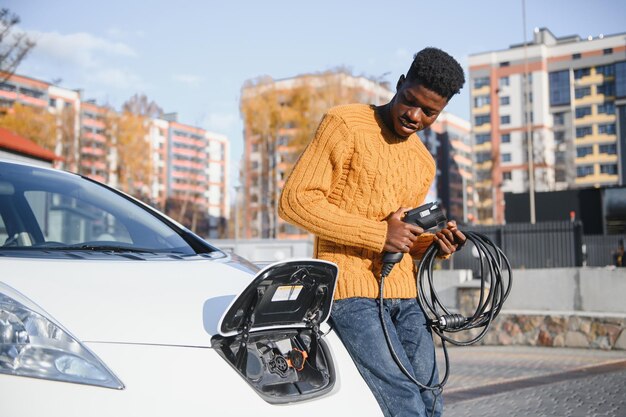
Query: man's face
point(414, 107)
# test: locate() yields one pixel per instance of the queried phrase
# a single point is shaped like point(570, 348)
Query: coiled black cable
point(495, 286)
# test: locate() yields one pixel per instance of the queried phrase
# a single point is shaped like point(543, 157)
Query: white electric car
point(109, 308)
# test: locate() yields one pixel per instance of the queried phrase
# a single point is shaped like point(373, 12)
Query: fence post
point(500, 237)
point(578, 243)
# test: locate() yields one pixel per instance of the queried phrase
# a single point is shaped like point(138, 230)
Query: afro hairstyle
point(437, 71)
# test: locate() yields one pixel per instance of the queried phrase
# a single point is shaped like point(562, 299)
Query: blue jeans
point(357, 322)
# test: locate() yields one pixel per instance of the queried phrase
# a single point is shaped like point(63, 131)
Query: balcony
point(482, 91)
point(90, 150)
point(485, 109)
point(589, 80)
point(484, 128)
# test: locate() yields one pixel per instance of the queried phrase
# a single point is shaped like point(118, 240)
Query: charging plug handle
point(425, 216)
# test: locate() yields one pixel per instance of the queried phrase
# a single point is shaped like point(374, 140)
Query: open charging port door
point(271, 331)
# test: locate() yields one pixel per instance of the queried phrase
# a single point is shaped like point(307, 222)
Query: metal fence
point(543, 245)
point(599, 249)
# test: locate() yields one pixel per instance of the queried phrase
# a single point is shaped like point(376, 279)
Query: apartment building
point(568, 95)
point(449, 141)
point(194, 164)
point(95, 156)
point(188, 163)
point(23, 90)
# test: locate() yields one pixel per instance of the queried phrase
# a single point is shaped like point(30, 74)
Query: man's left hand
point(450, 239)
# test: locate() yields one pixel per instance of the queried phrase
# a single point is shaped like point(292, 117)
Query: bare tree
point(14, 46)
point(141, 106)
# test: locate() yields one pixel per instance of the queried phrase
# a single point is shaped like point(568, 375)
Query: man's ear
point(400, 82)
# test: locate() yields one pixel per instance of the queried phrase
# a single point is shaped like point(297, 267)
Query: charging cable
point(495, 286)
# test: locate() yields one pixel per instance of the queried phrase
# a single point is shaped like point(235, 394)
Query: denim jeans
point(357, 322)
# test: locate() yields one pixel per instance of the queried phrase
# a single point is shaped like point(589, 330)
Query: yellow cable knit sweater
point(353, 175)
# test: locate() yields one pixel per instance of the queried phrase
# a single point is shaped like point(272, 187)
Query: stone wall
point(592, 330)
point(571, 330)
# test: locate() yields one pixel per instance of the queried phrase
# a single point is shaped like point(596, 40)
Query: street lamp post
point(237, 211)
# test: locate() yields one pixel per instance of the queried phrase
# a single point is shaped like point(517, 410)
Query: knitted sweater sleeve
point(304, 200)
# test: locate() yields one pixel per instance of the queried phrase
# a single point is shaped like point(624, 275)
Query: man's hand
point(400, 235)
point(450, 239)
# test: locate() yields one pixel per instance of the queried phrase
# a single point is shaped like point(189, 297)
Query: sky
point(192, 57)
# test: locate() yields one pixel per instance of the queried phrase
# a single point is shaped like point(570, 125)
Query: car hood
point(150, 302)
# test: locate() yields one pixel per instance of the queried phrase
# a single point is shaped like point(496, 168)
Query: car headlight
point(32, 344)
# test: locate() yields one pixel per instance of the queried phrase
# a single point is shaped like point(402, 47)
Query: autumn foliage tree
point(271, 112)
point(34, 123)
point(127, 134)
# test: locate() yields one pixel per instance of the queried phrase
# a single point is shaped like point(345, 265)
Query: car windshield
point(54, 210)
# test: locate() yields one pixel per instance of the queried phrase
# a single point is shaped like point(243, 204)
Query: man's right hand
point(400, 235)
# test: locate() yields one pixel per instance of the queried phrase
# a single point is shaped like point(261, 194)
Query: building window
point(610, 169)
point(505, 100)
point(583, 131)
point(559, 137)
point(583, 111)
point(559, 119)
point(506, 176)
point(582, 92)
point(7, 87)
point(504, 64)
point(606, 70)
point(282, 140)
point(610, 149)
point(584, 170)
point(505, 120)
point(575, 56)
point(481, 82)
point(503, 82)
point(483, 138)
point(581, 72)
point(480, 101)
point(506, 157)
point(583, 151)
point(31, 93)
point(607, 129)
point(620, 79)
point(607, 51)
point(482, 157)
point(52, 102)
point(606, 108)
point(505, 138)
point(559, 88)
point(481, 120)
point(607, 89)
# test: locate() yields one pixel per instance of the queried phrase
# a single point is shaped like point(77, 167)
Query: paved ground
point(501, 381)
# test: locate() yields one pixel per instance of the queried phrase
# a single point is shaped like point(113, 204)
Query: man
point(363, 169)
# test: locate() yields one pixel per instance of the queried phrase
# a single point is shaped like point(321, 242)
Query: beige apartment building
point(567, 94)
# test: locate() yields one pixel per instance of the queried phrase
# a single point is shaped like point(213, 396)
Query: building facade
point(187, 163)
point(567, 95)
point(449, 141)
point(193, 165)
